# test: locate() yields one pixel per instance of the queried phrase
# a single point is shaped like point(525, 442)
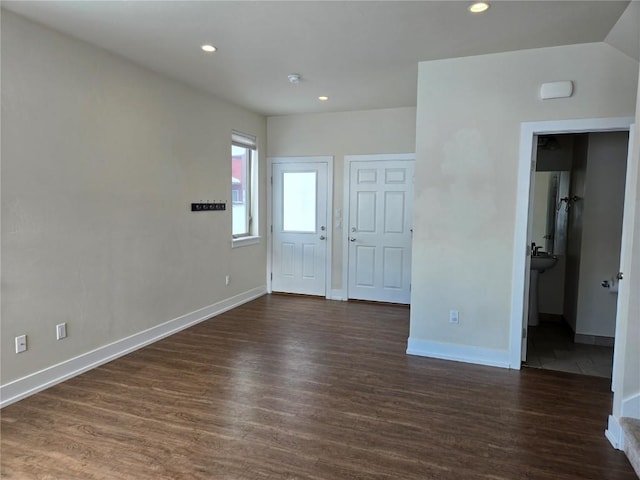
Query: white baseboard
point(458, 353)
point(38, 381)
point(614, 433)
point(338, 294)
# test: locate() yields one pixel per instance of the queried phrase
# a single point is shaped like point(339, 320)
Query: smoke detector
point(294, 78)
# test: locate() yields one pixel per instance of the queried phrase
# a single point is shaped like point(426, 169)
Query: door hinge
point(271, 228)
point(271, 180)
point(524, 332)
point(271, 275)
point(533, 165)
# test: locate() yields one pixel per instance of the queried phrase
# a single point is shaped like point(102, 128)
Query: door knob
point(322, 237)
point(619, 276)
point(322, 228)
point(352, 239)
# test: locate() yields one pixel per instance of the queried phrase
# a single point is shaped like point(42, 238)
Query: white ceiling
point(362, 54)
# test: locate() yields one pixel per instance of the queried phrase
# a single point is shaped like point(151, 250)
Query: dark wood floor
point(297, 388)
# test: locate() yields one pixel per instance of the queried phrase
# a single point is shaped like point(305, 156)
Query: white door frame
point(284, 160)
point(529, 132)
point(348, 160)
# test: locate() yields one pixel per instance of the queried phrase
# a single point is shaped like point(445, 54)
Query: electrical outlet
point(21, 343)
point(227, 280)
point(61, 331)
point(453, 316)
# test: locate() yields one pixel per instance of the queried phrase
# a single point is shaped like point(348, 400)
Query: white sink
point(540, 263)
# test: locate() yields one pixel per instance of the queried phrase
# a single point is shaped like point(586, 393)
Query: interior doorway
point(530, 134)
point(576, 228)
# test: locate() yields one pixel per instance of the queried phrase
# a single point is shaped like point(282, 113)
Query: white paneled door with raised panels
point(299, 216)
point(380, 230)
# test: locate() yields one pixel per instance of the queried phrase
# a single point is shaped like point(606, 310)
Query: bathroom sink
point(540, 263)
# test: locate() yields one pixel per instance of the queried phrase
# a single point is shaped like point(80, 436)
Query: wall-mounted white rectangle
point(562, 89)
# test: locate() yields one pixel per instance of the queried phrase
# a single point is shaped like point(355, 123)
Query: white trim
point(346, 180)
point(245, 241)
point(338, 294)
point(323, 159)
point(614, 433)
point(528, 131)
point(458, 353)
point(50, 376)
point(626, 247)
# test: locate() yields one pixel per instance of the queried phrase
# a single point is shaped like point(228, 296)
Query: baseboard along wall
point(50, 376)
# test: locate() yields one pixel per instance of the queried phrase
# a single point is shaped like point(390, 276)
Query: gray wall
point(100, 160)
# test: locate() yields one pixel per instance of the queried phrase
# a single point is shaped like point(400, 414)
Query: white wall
point(469, 115)
point(390, 130)
point(602, 232)
point(100, 161)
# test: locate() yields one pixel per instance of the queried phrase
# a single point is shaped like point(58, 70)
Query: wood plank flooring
point(299, 388)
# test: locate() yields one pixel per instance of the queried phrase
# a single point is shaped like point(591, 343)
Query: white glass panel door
point(299, 242)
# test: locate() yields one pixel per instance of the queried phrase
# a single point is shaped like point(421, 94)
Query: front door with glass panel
point(299, 242)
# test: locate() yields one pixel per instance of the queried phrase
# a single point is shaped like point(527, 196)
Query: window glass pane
point(299, 202)
point(240, 189)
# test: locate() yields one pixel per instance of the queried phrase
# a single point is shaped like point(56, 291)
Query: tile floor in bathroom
point(550, 346)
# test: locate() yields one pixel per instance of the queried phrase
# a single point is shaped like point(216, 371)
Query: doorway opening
point(576, 231)
point(582, 261)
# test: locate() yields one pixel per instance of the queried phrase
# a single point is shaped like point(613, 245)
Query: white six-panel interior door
point(300, 233)
point(378, 226)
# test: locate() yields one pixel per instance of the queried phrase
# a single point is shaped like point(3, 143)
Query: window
point(243, 185)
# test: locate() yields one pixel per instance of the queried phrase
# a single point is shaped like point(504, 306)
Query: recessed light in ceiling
point(323, 98)
point(208, 48)
point(478, 7)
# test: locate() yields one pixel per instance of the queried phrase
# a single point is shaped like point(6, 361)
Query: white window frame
point(243, 140)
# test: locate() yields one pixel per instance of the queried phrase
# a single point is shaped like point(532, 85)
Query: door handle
point(352, 239)
point(322, 237)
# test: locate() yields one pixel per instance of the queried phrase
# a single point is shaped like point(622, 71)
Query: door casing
point(529, 132)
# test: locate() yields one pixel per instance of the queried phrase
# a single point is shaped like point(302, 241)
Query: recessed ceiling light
point(323, 98)
point(478, 7)
point(208, 48)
